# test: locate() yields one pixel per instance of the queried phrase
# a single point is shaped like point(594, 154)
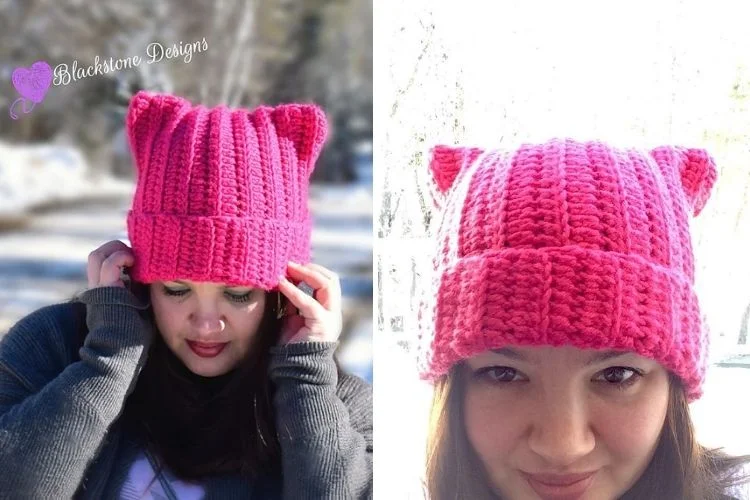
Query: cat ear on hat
point(146, 114)
point(697, 172)
point(305, 125)
point(446, 163)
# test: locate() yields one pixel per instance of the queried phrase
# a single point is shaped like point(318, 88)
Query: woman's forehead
point(540, 354)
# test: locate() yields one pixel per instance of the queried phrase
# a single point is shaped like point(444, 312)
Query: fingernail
point(294, 264)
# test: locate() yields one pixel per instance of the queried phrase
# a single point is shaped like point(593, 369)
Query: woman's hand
point(106, 262)
point(319, 318)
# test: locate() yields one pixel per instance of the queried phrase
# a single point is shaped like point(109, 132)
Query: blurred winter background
point(66, 174)
point(497, 73)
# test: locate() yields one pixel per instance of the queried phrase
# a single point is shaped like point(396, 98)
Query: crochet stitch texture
point(221, 193)
point(567, 243)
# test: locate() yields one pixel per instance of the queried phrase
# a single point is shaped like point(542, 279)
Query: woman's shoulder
point(356, 394)
point(352, 387)
point(44, 340)
point(741, 489)
point(737, 493)
point(54, 323)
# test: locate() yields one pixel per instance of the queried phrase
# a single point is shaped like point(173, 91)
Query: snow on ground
point(34, 175)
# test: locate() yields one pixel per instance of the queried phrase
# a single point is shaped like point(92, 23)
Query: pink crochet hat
point(221, 194)
point(567, 243)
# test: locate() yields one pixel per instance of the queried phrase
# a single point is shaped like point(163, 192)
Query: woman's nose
point(561, 432)
point(207, 323)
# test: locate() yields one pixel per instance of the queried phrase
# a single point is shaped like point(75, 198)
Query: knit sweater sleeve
point(56, 407)
point(324, 424)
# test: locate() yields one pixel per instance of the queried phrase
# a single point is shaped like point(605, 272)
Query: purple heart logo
point(32, 83)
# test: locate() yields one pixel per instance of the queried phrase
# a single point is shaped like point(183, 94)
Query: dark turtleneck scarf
point(194, 422)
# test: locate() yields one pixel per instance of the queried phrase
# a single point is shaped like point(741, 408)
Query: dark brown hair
point(204, 426)
point(681, 469)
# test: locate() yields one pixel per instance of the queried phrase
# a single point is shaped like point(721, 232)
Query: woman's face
point(208, 326)
point(560, 411)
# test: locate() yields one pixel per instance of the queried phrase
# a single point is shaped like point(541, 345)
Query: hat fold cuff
point(221, 249)
point(585, 298)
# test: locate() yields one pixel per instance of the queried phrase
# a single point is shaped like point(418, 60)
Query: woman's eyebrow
point(597, 357)
point(510, 353)
point(224, 286)
point(604, 356)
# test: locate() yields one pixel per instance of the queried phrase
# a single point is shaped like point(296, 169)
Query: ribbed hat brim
point(557, 296)
point(232, 250)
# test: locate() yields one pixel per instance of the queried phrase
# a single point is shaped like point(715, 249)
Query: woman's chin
point(209, 371)
point(207, 367)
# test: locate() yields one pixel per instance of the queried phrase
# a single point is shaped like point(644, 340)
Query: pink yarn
point(567, 243)
point(221, 193)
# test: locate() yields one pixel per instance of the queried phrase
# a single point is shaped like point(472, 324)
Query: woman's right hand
point(106, 262)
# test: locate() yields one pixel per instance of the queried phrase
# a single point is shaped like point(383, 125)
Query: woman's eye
point(619, 376)
point(174, 293)
point(496, 374)
point(245, 297)
point(234, 297)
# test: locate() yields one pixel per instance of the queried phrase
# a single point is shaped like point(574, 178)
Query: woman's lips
point(571, 487)
point(206, 350)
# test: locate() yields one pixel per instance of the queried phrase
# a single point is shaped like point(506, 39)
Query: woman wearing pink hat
point(193, 366)
point(562, 331)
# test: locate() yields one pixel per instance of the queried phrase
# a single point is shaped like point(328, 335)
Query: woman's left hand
point(319, 318)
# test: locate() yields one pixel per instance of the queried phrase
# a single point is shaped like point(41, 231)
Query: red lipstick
point(560, 487)
point(205, 349)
